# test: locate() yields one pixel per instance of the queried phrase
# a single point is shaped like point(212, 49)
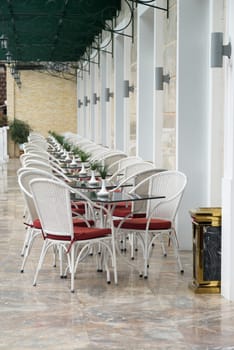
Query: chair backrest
point(123, 162)
point(170, 184)
point(31, 156)
point(143, 178)
point(25, 175)
point(131, 169)
point(49, 167)
point(112, 157)
point(42, 144)
point(53, 205)
point(31, 147)
point(38, 165)
point(99, 153)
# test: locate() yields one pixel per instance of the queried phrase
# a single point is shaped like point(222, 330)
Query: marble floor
point(158, 313)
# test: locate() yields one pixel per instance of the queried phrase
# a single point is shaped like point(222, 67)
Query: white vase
point(103, 191)
point(83, 170)
point(67, 159)
point(92, 180)
point(73, 163)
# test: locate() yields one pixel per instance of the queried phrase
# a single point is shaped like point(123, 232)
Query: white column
point(145, 83)
point(193, 94)
point(96, 107)
point(119, 100)
point(103, 101)
point(109, 105)
point(159, 18)
point(215, 161)
point(92, 105)
point(87, 99)
point(227, 275)
point(127, 100)
point(80, 109)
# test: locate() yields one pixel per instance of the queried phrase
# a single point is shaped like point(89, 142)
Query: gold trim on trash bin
point(201, 218)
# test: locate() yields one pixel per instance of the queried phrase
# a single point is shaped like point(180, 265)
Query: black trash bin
point(206, 224)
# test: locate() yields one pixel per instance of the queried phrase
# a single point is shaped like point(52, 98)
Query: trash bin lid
point(209, 215)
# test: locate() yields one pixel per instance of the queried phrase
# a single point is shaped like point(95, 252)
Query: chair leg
point(32, 235)
point(45, 247)
point(26, 240)
point(176, 250)
point(72, 267)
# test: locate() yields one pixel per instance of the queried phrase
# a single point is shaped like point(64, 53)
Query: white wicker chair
point(52, 200)
point(160, 214)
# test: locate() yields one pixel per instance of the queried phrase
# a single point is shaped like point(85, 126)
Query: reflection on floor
point(158, 313)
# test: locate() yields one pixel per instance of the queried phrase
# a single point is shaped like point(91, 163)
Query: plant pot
point(103, 191)
point(93, 180)
point(73, 163)
point(83, 171)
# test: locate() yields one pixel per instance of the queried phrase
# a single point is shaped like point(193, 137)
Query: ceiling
point(53, 30)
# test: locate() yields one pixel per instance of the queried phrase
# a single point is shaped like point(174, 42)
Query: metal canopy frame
point(149, 3)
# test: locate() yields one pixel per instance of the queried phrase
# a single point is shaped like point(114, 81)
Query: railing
point(4, 157)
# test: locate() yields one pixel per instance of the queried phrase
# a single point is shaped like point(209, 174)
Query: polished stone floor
point(158, 313)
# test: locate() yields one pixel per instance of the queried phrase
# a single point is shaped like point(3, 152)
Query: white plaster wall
point(192, 109)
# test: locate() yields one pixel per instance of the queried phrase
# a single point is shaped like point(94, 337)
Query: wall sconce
point(95, 98)
point(80, 103)
point(86, 101)
point(160, 78)
point(3, 41)
point(218, 50)
point(108, 94)
point(127, 88)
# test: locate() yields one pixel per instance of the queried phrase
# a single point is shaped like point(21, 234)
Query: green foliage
point(19, 131)
point(59, 138)
point(84, 156)
point(67, 146)
point(76, 150)
point(103, 171)
point(94, 165)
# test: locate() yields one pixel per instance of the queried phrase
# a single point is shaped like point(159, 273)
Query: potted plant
point(67, 149)
point(19, 131)
point(84, 157)
point(93, 166)
point(75, 152)
point(103, 171)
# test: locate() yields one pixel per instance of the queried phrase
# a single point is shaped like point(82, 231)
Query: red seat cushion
point(125, 211)
point(83, 233)
point(78, 208)
point(140, 224)
point(78, 204)
point(76, 222)
point(123, 204)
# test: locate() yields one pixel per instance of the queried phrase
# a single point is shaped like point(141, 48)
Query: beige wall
point(44, 101)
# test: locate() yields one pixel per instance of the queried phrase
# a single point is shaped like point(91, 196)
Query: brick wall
point(44, 101)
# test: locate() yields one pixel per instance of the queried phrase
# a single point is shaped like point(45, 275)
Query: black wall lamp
point(160, 78)
point(218, 50)
point(127, 88)
point(108, 94)
point(86, 101)
point(80, 103)
point(95, 98)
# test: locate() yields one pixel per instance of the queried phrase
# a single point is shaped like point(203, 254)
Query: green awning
point(52, 30)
